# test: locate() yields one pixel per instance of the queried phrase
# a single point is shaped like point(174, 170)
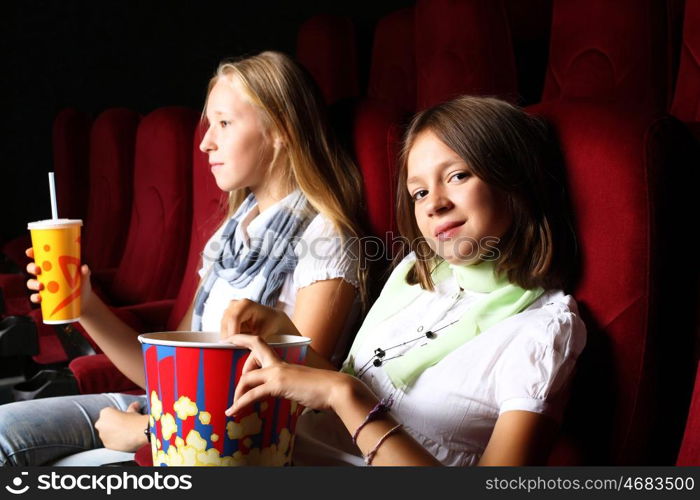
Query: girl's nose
point(438, 203)
point(207, 144)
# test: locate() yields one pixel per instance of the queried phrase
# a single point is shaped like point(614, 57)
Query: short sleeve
point(534, 370)
point(323, 254)
point(211, 251)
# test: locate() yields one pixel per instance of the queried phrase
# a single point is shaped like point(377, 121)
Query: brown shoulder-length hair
point(512, 152)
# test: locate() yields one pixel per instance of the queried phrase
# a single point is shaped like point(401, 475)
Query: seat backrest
point(112, 143)
point(327, 48)
point(463, 47)
point(209, 207)
point(70, 139)
point(376, 137)
point(392, 74)
point(620, 167)
point(612, 52)
point(690, 449)
point(159, 232)
point(686, 99)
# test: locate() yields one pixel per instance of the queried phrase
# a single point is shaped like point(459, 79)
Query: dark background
point(142, 55)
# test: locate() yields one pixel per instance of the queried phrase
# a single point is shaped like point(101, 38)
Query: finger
point(251, 363)
point(85, 271)
point(35, 285)
point(264, 354)
point(35, 298)
point(134, 407)
point(255, 394)
point(29, 252)
point(32, 268)
point(247, 382)
point(240, 312)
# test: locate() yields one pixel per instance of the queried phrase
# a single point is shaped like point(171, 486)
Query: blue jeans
point(41, 431)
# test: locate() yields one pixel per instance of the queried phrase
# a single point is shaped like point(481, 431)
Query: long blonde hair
point(292, 108)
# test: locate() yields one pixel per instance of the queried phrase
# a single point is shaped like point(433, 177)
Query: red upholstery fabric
point(613, 52)
point(376, 136)
point(156, 248)
point(326, 46)
point(112, 142)
point(392, 76)
point(686, 100)
point(690, 449)
point(144, 456)
point(614, 165)
point(463, 47)
point(102, 374)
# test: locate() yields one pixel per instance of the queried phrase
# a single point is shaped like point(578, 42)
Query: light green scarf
point(502, 300)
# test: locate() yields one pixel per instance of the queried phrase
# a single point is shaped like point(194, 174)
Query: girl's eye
point(419, 194)
point(224, 123)
point(459, 176)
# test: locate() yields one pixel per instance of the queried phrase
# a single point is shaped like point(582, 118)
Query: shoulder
point(320, 227)
point(324, 253)
point(552, 322)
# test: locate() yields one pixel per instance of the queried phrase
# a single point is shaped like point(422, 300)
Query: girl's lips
point(447, 231)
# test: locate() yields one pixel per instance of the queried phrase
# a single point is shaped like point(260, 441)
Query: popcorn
point(209, 457)
point(205, 417)
point(156, 405)
point(248, 426)
point(214, 438)
point(195, 441)
point(168, 426)
point(185, 407)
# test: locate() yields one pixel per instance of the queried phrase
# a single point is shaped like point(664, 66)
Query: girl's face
point(459, 215)
point(235, 141)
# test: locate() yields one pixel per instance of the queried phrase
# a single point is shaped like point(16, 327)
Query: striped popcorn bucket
point(190, 382)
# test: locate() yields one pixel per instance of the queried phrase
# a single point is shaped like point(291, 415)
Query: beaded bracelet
point(379, 409)
point(370, 456)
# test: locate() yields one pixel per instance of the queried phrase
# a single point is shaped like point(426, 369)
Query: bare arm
point(321, 311)
point(520, 438)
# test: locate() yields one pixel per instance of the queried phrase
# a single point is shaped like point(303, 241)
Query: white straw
point(52, 189)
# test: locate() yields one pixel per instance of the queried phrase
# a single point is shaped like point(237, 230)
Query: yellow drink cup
point(56, 244)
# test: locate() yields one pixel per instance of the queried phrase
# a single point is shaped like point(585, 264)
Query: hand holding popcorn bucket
point(190, 381)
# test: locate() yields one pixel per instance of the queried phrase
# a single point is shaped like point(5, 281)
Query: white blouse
point(321, 252)
point(522, 363)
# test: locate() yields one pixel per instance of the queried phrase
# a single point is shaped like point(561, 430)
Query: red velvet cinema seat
point(69, 137)
point(96, 373)
point(392, 74)
point(690, 448)
point(326, 47)
point(463, 48)
point(155, 252)
point(613, 52)
point(626, 175)
point(686, 99)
